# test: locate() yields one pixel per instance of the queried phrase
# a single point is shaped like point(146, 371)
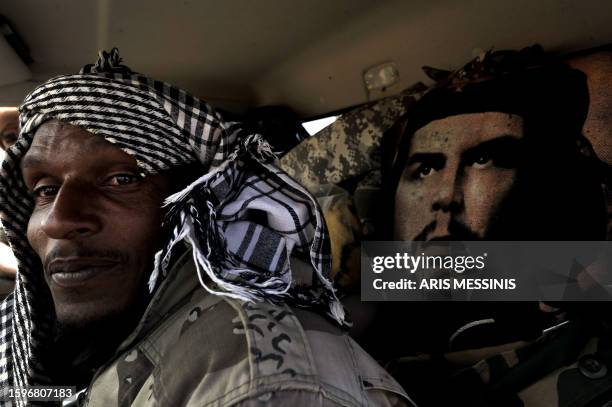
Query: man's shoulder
point(340, 360)
point(269, 350)
point(217, 351)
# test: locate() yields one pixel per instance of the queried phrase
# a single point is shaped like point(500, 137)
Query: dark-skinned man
point(220, 297)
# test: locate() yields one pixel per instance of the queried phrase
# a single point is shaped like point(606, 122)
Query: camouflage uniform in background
point(345, 231)
point(567, 367)
point(349, 148)
point(231, 353)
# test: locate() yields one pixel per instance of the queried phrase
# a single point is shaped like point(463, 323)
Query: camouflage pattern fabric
point(345, 231)
point(192, 348)
point(568, 367)
point(350, 146)
point(366, 199)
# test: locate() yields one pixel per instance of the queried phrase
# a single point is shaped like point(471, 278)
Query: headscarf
point(164, 127)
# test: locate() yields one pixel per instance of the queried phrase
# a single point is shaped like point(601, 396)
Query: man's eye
point(483, 161)
point(45, 191)
point(122, 179)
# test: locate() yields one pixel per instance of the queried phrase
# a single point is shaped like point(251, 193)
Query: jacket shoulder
point(214, 351)
point(294, 353)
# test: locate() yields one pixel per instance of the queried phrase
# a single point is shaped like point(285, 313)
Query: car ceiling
point(306, 54)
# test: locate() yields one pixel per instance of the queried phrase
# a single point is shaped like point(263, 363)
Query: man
point(200, 311)
point(494, 151)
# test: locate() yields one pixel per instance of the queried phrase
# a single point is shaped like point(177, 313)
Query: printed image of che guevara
point(496, 151)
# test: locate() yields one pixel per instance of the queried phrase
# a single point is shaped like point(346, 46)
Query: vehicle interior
point(310, 56)
point(323, 81)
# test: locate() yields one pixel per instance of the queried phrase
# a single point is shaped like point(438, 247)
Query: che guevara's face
point(459, 171)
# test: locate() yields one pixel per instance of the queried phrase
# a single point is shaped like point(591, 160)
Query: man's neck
point(79, 351)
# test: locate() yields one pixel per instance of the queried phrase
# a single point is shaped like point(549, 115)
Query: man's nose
point(72, 214)
point(449, 194)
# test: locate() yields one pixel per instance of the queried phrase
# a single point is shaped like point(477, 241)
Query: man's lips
point(74, 271)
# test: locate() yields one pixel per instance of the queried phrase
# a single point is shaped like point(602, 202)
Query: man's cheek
point(34, 233)
point(140, 231)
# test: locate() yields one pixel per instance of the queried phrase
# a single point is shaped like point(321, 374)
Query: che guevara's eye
point(423, 171)
point(483, 161)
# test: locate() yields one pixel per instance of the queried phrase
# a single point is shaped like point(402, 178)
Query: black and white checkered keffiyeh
point(163, 127)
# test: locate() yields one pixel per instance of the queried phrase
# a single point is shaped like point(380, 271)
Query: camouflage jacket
point(192, 348)
point(570, 366)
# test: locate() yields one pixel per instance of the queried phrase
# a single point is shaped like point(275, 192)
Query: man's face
point(9, 127)
point(458, 173)
point(95, 224)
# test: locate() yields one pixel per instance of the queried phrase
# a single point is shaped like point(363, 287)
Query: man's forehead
point(56, 137)
point(55, 131)
point(465, 131)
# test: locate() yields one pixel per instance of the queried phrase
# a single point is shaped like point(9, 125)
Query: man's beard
point(103, 325)
point(81, 348)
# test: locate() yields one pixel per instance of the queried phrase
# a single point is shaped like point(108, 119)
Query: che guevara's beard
point(456, 232)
